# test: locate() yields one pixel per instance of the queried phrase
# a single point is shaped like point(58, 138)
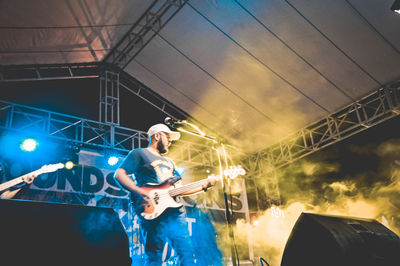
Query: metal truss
point(88, 133)
point(48, 72)
point(143, 31)
point(109, 98)
point(112, 79)
point(369, 111)
point(262, 173)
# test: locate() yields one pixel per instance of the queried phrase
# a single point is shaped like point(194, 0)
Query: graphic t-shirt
point(148, 167)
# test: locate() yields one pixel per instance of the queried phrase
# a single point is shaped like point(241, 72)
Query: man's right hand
point(143, 193)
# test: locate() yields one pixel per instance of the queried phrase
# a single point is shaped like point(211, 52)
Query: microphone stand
point(225, 179)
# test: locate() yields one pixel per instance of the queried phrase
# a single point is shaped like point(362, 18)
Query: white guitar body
point(160, 200)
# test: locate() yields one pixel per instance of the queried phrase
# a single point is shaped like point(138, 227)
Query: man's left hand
point(29, 179)
point(212, 180)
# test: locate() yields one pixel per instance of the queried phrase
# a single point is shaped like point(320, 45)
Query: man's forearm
point(9, 194)
point(126, 182)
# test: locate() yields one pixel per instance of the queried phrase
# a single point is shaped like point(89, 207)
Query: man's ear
point(157, 136)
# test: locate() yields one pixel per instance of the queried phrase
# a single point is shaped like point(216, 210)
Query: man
point(12, 192)
point(149, 165)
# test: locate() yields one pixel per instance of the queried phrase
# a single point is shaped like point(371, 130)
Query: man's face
point(163, 143)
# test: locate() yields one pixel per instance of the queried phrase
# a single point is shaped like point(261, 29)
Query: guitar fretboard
point(180, 190)
point(17, 180)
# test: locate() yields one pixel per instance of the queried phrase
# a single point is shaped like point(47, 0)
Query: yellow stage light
point(69, 165)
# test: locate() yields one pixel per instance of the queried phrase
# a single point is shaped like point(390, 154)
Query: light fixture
point(69, 165)
point(276, 212)
point(112, 160)
point(396, 6)
point(234, 171)
point(29, 145)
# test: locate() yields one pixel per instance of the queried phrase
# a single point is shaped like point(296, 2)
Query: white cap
point(173, 135)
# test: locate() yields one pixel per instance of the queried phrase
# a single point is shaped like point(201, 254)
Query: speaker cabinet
point(318, 240)
point(38, 233)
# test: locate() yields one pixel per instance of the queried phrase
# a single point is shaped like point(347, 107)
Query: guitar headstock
point(234, 171)
point(48, 168)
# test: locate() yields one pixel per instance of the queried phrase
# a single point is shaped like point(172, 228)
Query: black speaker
point(333, 240)
point(38, 233)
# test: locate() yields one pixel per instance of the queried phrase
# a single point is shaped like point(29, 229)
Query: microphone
point(173, 122)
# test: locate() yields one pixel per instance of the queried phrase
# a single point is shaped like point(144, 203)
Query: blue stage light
point(112, 160)
point(29, 145)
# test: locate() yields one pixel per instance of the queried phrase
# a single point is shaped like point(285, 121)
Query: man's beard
point(161, 147)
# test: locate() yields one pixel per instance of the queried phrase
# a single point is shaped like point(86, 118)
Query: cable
point(261, 62)
point(372, 26)
point(261, 261)
point(333, 43)
point(233, 236)
point(173, 87)
point(294, 51)
point(215, 79)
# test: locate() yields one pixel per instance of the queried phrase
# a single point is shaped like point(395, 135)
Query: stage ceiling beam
point(143, 31)
point(11, 73)
point(15, 73)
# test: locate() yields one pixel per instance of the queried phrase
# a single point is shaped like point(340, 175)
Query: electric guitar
point(162, 196)
point(44, 169)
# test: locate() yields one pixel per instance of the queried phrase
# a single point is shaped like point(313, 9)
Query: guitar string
point(182, 189)
point(164, 196)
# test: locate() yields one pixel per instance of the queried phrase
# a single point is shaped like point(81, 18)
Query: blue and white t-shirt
point(148, 167)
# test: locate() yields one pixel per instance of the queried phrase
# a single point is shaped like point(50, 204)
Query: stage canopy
point(253, 71)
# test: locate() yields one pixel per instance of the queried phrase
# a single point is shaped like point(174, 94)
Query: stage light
point(234, 171)
point(112, 160)
point(254, 219)
point(396, 6)
point(276, 212)
point(29, 145)
point(69, 165)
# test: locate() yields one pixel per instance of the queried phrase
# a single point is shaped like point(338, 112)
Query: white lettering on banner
point(190, 221)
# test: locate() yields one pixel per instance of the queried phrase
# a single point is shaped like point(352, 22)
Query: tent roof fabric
point(254, 71)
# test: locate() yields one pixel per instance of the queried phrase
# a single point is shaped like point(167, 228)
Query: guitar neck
point(180, 190)
point(16, 181)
